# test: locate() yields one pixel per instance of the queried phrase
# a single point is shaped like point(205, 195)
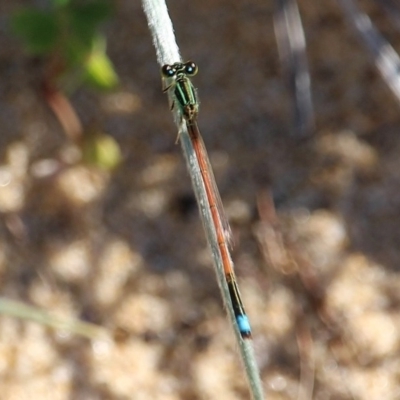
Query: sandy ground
point(126, 250)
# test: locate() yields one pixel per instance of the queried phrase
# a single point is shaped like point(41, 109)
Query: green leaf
point(102, 151)
point(38, 30)
point(99, 69)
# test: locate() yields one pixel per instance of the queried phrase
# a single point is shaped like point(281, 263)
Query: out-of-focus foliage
point(38, 30)
point(68, 31)
point(102, 151)
point(99, 69)
point(66, 34)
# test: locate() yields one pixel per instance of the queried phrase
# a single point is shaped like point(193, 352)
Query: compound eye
point(191, 68)
point(168, 71)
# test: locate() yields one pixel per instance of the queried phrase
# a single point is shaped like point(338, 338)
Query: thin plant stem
point(292, 51)
point(27, 312)
point(387, 61)
point(168, 53)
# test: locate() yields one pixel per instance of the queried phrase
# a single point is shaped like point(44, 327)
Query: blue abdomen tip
point(244, 325)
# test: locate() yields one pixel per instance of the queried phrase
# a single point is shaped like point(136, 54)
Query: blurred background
point(119, 243)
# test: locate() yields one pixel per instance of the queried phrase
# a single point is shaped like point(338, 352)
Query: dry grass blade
point(385, 57)
point(27, 312)
point(292, 50)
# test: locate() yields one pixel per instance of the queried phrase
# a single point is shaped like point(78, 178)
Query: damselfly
point(176, 81)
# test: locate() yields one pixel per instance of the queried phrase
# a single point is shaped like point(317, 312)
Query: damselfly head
point(188, 68)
